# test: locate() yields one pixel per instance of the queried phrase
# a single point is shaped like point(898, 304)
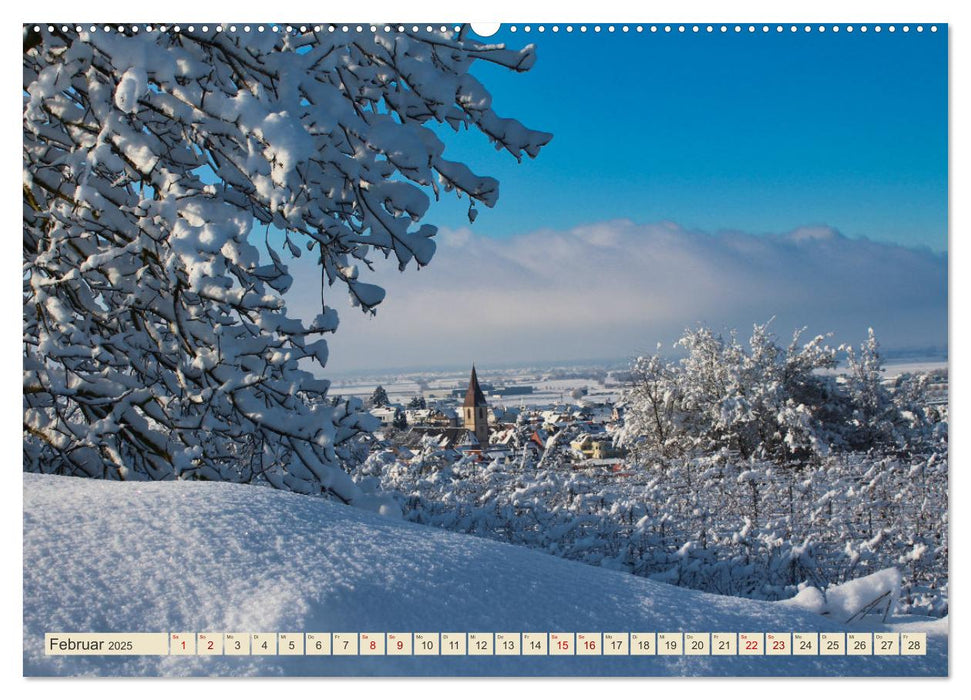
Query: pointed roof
point(473, 395)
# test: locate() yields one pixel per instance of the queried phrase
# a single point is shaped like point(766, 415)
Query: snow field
point(197, 556)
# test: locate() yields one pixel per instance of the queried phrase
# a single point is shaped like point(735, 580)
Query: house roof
point(451, 437)
point(473, 395)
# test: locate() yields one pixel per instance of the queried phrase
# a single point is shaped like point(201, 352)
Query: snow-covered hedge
point(743, 528)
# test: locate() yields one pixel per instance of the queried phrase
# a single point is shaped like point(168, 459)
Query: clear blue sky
point(754, 132)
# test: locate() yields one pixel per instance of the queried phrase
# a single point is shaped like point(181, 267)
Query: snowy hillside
point(195, 556)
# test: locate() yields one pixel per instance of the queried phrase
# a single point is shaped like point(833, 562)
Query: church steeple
point(473, 395)
point(475, 410)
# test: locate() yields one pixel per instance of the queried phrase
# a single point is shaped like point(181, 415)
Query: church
point(469, 429)
point(475, 411)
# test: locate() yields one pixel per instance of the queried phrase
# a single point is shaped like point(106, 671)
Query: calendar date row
point(489, 643)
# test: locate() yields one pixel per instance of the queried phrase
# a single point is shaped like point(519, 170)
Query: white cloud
point(617, 288)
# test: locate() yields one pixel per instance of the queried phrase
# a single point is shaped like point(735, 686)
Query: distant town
point(572, 412)
point(575, 409)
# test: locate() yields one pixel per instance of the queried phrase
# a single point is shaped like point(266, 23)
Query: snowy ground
point(194, 556)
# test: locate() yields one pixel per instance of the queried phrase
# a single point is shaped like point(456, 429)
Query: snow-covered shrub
point(166, 175)
point(747, 529)
point(771, 402)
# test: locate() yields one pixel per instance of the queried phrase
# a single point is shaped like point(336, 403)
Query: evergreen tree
point(379, 398)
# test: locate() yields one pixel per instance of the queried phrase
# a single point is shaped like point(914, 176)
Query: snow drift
point(197, 556)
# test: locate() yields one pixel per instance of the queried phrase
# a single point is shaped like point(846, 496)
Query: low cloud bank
point(617, 288)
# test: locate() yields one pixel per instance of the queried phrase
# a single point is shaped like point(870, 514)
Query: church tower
point(475, 411)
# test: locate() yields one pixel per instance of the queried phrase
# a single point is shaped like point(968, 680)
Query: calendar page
point(448, 349)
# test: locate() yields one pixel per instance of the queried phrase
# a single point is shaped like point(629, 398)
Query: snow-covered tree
point(400, 420)
point(651, 425)
point(771, 402)
point(379, 397)
point(167, 176)
point(874, 412)
point(763, 400)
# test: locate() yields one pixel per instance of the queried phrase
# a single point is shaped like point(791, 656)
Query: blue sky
point(718, 179)
point(754, 132)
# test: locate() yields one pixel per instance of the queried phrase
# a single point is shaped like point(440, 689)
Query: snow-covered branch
point(156, 338)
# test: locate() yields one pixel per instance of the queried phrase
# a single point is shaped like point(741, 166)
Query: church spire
point(473, 395)
point(475, 411)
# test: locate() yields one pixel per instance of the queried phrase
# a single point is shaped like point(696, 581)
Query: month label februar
point(105, 644)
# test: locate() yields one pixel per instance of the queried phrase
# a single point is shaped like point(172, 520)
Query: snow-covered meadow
point(196, 556)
